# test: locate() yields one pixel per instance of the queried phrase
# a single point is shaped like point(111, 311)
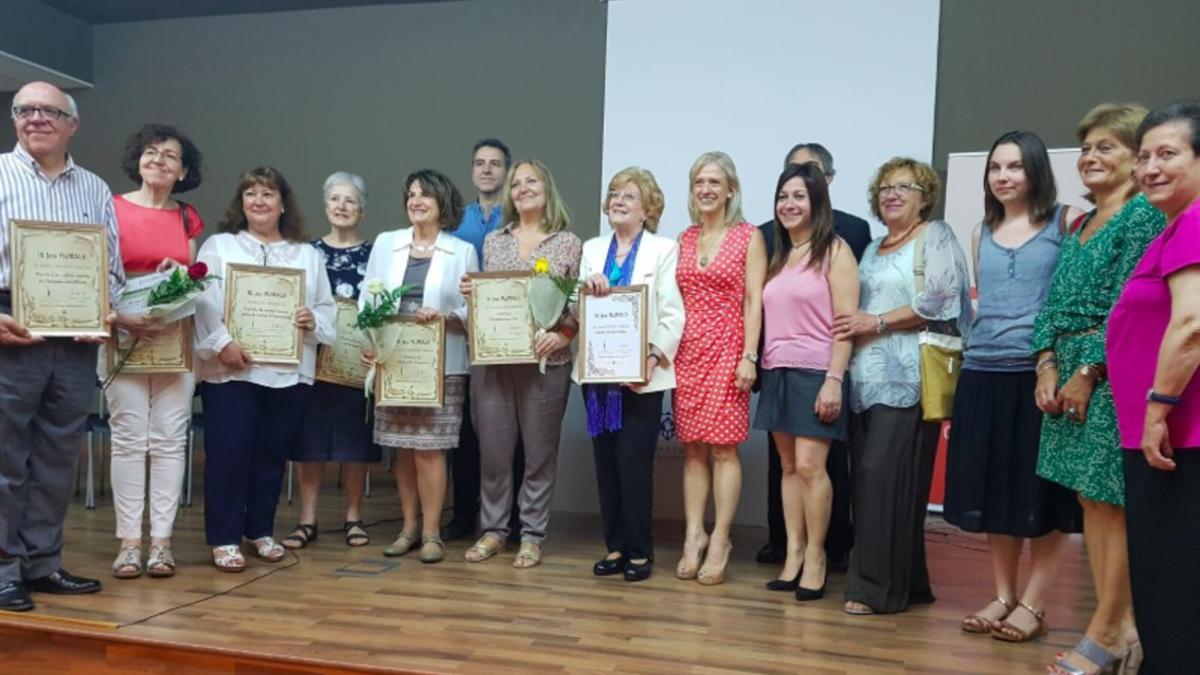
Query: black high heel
point(804, 594)
point(785, 584)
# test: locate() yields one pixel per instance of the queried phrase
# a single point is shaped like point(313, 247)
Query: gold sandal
point(482, 550)
point(981, 625)
point(1009, 633)
point(529, 555)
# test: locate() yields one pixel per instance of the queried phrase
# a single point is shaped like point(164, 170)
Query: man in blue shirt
point(490, 161)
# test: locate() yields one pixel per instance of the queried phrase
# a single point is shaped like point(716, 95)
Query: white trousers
point(150, 415)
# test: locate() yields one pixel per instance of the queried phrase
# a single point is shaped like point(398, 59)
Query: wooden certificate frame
point(341, 363)
point(269, 292)
point(169, 352)
point(410, 361)
point(67, 299)
point(609, 343)
point(497, 345)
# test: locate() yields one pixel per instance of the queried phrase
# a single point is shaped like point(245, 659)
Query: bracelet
point(654, 356)
point(1048, 363)
point(836, 378)
point(1155, 397)
point(881, 327)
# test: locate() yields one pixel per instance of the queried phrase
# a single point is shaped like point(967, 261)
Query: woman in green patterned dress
point(1079, 446)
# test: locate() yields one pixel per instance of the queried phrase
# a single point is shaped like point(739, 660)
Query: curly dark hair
point(291, 223)
point(449, 200)
point(150, 134)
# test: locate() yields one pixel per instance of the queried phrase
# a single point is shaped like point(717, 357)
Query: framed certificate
point(60, 278)
point(260, 311)
point(341, 362)
point(499, 321)
point(613, 343)
point(413, 376)
point(167, 352)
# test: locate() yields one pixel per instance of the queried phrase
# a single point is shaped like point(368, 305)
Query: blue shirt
point(474, 227)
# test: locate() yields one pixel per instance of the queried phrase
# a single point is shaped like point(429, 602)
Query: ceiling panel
point(118, 11)
point(16, 71)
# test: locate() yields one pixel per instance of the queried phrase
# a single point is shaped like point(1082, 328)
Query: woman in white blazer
point(623, 419)
point(431, 261)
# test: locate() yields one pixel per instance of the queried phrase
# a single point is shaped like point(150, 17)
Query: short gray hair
point(72, 107)
point(346, 178)
point(822, 154)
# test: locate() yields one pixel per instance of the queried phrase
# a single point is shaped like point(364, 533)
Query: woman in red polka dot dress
point(722, 263)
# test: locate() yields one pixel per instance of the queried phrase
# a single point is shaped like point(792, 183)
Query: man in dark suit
point(840, 538)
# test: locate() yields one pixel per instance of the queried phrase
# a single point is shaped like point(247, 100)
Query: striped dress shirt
point(74, 196)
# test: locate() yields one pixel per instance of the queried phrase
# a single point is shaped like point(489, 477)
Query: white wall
point(752, 78)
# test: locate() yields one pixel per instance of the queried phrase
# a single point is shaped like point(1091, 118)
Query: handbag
point(941, 352)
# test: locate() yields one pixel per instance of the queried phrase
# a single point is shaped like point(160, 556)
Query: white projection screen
point(753, 78)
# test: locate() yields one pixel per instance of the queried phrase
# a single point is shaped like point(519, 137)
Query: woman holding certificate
point(811, 276)
point(335, 426)
point(428, 261)
point(257, 329)
point(151, 411)
point(722, 262)
point(623, 419)
point(514, 402)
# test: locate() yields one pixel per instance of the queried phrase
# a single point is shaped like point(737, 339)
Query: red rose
point(197, 271)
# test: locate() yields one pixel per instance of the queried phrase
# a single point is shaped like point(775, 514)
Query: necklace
point(706, 250)
point(423, 248)
point(902, 237)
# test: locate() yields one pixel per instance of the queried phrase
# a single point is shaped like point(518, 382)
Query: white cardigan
point(655, 267)
point(452, 258)
point(211, 334)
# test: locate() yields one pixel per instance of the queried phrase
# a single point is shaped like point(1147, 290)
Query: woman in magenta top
point(722, 260)
point(1153, 353)
point(150, 412)
point(811, 275)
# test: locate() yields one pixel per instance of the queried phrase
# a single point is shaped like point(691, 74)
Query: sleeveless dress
point(709, 408)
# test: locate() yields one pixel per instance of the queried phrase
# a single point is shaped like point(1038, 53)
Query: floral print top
point(885, 369)
point(346, 267)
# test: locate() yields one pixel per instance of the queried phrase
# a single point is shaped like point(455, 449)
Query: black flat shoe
point(63, 583)
point(638, 571)
point(771, 554)
point(607, 566)
point(14, 597)
point(804, 594)
point(784, 584)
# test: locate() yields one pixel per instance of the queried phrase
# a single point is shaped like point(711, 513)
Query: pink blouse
point(1136, 328)
point(798, 318)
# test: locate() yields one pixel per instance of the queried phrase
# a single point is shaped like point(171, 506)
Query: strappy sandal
point(266, 548)
point(1090, 650)
point(229, 558)
point(161, 563)
point(432, 549)
point(128, 564)
point(486, 547)
point(356, 533)
point(1007, 632)
point(981, 625)
point(403, 544)
point(856, 608)
point(302, 535)
point(529, 555)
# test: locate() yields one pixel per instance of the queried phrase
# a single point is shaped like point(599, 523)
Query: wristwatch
point(1093, 370)
point(751, 357)
point(1155, 397)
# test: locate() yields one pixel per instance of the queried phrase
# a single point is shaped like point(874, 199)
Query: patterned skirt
point(424, 429)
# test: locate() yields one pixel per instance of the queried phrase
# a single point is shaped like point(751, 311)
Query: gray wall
point(1037, 65)
point(379, 90)
point(47, 37)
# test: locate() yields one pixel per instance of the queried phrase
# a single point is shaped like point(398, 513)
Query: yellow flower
point(375, 286)
point(541, 266)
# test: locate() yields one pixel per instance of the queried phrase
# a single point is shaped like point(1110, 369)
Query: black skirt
point(992, 484)
point(335, 427)
point(785, 404)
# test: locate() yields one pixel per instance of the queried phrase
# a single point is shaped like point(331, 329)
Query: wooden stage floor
point(335, 605)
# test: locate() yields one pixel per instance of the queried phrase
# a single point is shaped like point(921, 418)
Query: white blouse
point(452, 257)
point(211, 334)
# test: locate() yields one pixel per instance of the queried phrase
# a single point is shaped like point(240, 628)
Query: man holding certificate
point(47, 384)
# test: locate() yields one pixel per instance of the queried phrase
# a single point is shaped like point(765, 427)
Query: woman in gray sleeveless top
point(992, 484)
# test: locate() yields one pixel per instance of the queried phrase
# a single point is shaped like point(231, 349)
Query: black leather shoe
point(14, 597)
point(607, 567)
point(771, 554)
point(638, 571)
point(454, 530)
point(63, 583)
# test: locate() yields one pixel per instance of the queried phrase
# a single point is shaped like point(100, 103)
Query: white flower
point(375, 286)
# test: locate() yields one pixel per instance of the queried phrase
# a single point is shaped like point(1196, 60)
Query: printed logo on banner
point(668, 444)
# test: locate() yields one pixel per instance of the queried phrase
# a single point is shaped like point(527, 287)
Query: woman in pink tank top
point(812, 275)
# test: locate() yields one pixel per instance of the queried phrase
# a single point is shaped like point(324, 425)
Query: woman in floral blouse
point(334, 426)
point(891, 450)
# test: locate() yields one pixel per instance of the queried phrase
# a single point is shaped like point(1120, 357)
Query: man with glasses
point(840, 538)
point(47, 385)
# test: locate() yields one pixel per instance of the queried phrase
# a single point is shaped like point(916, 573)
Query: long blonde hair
point(733, 207)
point(556, 218)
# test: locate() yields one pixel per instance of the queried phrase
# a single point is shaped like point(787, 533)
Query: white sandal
point(268, 549)
point(128, 564)
point(161, 563)
point(229, 558)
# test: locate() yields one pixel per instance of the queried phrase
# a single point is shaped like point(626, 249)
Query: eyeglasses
point(25, 112)
point(901, 189)
point(164, 155)
point(623, 197)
